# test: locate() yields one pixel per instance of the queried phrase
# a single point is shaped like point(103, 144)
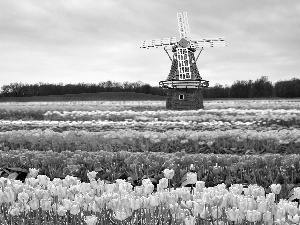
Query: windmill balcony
point(170, 84)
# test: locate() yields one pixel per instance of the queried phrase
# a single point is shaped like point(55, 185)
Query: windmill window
point(181, 97)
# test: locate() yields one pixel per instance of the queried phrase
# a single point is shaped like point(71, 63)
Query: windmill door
point(183, 64)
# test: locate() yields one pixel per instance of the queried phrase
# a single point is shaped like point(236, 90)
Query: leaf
point(291, 195)
point(13, 176)
point(18, 169)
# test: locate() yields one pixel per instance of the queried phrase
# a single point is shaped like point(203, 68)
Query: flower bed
point(68, 201)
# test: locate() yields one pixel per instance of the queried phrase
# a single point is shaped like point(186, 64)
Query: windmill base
point(184, 99)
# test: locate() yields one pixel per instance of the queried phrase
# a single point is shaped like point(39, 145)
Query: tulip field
point(101, 163)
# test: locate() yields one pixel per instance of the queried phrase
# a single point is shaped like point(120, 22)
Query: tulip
point(174, 208)
point(240, 215)
point(53, 190)
point(84, 187)
point(162, 196)
point(295, 218)
point(148, 188)
point(216, 212)
point(198, 207)
point(120, 215)
point(169, 174)
point(267, 217)
point(91, 220)
point(125, 201)
point(200, 185)
point(191, 178)
point(74, 209)
point(275, 188)
point(23, 197)
point(297, 191)
point(57, 181)
point(262, 206)
point(154, 200)
point(189, 204)
point(224, 202)
point(242, 204)
point(236, 189)
point(66, 203)
point(190, 220)
point(92, 175)
point(61, 211)
point(145, 202)
point(163, 183)
point(138, 190)
point(43, 179)
point(280, 213)
point(206, 197)
point(33, 172)
point(135, 204)
point(251, 204)
point(84, 206)
point(205, 213)
point(45, 204)
point(217, 200)
point(34, 204)
point(3, 181)
point(270, 197)
point(7, 197)
point(280, 221)
point(14, 211)
point(231, 214)
point(95, 207)
point(32, 181)
point(292, 210)
point(99, 200)
point(250, 216)
point(61, 192)
point(185, 195)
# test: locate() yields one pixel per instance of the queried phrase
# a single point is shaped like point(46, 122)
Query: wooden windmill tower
point(184, 82)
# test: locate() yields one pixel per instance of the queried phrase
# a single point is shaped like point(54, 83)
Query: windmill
point(184, 82)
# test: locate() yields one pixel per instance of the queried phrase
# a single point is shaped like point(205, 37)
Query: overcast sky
point(89, 41)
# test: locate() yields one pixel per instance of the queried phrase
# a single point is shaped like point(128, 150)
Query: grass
point(100, 96)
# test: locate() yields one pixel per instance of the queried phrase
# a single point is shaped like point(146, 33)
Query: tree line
point(261, 88)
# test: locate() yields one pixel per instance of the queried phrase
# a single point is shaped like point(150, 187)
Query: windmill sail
point(208, 42)
point(184, 29)
point(158, 43)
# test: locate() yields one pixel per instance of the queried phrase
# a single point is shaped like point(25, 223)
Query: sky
point(91, 41)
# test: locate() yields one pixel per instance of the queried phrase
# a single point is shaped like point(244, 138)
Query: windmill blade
point(184, 29)
point(158, 43)
point(208, 42)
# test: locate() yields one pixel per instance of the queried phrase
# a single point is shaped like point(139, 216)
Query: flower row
point(40, 199)
point(29, 110)
point(213, 169)
point(228, 141)
point(208, 115)
point(137, 125)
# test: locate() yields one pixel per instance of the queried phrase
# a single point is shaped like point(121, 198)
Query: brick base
point(193, 99)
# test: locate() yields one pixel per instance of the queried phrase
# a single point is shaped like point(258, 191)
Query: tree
point(262, 88)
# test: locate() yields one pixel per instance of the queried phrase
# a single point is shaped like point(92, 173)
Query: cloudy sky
point(89, 41)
